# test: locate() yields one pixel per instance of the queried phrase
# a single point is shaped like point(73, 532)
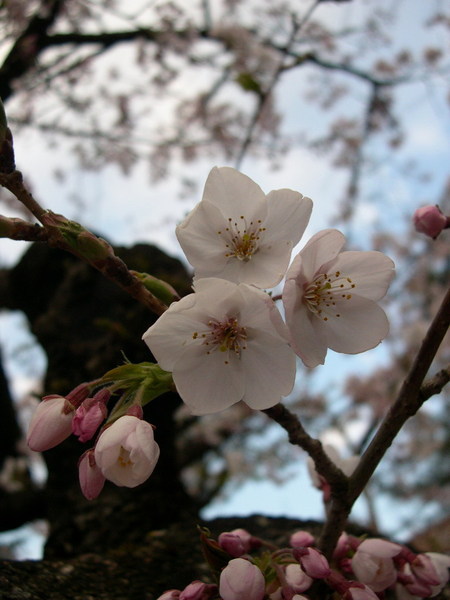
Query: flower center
point(241, 239)
point(226, 336)
point(323, 295)
point(124, 458)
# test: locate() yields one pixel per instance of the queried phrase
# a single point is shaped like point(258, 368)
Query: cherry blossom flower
point(170, 595)
point(238, 233)
point(354, 592)
point(197, 590)
point(126, 452)
point(330, 298)
point(224, 343)
point(241, 580)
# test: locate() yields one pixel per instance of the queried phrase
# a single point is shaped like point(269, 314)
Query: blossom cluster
point(360, 569)
point(227, 341)
point(124, 452)
point(239, 242)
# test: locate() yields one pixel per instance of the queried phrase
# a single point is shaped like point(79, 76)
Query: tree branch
point(411, 397)
point(70, 236)
point(298, 436)
point(28, 45)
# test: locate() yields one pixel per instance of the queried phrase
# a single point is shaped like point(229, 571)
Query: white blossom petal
point(182, 322)
point(321, 248)
point(288, 212)
point(307, 339)
point(126, 452)
point(359, 328)
point(372, 270)
point(234, 193)
point(269, 370)
point(205, 383)
point(203, 245)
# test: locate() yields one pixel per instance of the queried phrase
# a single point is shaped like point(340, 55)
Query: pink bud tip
point(90, 476)
point(51, 423)
point(430, 221)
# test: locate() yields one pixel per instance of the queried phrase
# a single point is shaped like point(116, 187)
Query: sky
point(133, 209)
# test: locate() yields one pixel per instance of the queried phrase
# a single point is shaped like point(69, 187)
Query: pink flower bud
point(313, 562)
point(88, 417)
point(441, 563)
point(429, 220)
point(241, 580)
point(418, 588)
point(126, 452)
point(423, 568)
point(51, 423)
point(197, 590)
point(170, 595)
point(342, 547)
point(90, 476)
point(372, 563)
point(236, 542)
point(359, 592)
point(297, 579)
point(301, 539)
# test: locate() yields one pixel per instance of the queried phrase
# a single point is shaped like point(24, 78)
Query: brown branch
point(71, 237)
point(22, 56)
point(20, 230)
point(264, 95)
point(298, 436)
point(411, 397)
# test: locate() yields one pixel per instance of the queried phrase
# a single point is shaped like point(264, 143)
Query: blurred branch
point(28, 45)
point(264, 95)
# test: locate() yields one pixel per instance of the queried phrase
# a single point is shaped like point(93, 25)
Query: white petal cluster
point(330, 298)
point(227, 342)
point(126, 452)
point(238, 233)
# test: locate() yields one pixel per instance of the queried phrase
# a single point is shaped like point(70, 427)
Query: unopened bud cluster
point(248, 568)
point(124, 451)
